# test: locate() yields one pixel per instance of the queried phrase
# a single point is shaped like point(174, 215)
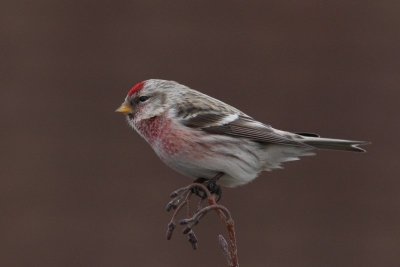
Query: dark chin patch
point(130, 116)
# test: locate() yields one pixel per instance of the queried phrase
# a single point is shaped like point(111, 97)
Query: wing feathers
point(204, 120)
point(240, 126)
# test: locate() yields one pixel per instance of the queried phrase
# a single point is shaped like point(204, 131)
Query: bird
point(210, 141)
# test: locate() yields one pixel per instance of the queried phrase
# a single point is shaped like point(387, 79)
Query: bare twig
point(181, 198)
point(192, 239)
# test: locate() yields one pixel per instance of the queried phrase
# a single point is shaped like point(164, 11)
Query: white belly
point(239, 162)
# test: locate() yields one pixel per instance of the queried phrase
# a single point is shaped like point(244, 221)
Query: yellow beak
point(125, 108)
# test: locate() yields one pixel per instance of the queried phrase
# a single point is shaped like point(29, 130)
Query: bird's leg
point(211, 185)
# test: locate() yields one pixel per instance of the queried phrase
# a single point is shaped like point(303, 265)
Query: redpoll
point(202, 137)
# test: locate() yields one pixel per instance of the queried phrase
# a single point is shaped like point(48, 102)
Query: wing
point(239, 125)
point(213, 116)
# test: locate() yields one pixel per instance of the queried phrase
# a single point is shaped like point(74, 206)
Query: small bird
point(209, 140)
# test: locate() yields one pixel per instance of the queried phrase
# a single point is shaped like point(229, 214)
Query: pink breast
point(160, 132)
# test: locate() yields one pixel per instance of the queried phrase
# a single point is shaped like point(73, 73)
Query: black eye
point(143, 98)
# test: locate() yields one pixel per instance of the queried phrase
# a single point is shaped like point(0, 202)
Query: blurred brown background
point(79, 188)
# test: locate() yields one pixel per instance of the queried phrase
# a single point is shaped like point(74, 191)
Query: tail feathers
point(335, 144)
point(277, 154)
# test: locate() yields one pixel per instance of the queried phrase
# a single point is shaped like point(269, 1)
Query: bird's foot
point(211, 185)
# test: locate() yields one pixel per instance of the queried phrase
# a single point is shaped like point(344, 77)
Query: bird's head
point(149, 99)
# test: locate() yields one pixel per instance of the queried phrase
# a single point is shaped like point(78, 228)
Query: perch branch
point(181, 198)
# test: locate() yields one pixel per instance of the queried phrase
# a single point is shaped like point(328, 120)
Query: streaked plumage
point(200, 136)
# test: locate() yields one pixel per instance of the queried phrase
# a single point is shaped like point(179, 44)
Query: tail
point(335, 144)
